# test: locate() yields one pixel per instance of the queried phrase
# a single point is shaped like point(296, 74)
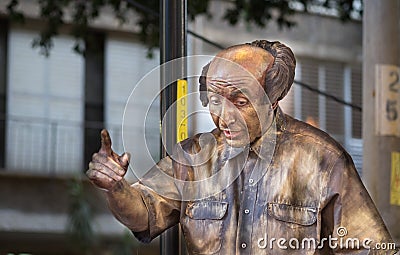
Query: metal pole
point(381, 46)
point(172, 45)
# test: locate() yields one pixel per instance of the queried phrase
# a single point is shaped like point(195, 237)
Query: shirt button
point(251, 180)
point(247, 211)
point(244, 245)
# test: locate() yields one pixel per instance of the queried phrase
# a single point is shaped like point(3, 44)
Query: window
point(126, 65)
point(45, 106)
point(337, 79)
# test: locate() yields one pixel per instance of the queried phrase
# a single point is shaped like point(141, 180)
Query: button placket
point(246, 212)
point(246, 218)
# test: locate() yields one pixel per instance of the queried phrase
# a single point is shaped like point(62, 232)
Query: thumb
point(124, 159)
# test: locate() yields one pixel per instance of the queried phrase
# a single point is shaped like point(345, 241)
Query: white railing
point(43, 146)
point(54, 147)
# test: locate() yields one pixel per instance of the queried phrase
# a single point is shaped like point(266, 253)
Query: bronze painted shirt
point(305, 198)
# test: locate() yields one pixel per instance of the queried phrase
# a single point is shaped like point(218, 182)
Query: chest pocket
point(295, 216)
point(297, 225)
point(202, 225)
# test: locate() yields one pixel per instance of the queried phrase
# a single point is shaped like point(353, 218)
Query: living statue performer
point(284, 187)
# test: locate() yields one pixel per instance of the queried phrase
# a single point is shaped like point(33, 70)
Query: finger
point(99, 179)
point(110, 163)
point(124, 159)
point(106, 142)
point(105, 170)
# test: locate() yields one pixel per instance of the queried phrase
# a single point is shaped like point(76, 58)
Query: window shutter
point(309, 99)
point(45, 106)
point(126, 65)
point(334, 79)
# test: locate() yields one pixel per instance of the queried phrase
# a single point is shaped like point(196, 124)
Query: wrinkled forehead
point(238, 62)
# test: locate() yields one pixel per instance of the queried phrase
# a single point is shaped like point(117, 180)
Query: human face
point(237, 101)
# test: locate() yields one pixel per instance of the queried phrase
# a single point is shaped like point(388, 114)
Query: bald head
point(272, 63)
point(246, 55)
point(241, 59)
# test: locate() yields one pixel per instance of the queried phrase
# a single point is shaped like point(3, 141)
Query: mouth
point(230, 134)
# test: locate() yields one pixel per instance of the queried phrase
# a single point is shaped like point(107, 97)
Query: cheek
point(253, 122)
point(215, 118)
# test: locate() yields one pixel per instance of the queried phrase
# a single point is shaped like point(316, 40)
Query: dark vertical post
point(172, 45)
point(3, 89)
point(94, 94)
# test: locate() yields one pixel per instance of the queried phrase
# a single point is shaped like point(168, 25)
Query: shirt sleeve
point(162, 190)
point(158, 191)
point(351, 216)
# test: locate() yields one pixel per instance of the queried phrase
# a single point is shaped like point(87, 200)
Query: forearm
point(127, 206)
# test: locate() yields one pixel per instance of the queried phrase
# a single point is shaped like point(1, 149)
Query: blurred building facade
point(52, 109)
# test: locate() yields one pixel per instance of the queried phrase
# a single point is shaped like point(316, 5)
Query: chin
point(238, 143)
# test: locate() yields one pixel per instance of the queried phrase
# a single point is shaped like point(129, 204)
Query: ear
point(203, 98)
point(203, 85)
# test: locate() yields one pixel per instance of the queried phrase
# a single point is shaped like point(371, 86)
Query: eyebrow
point(239, 91)
point(234, 93)
point(231, 80)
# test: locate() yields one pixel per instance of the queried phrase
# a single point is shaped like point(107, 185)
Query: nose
point(228, 113)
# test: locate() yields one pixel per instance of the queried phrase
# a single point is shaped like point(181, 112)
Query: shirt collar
point(264, 146)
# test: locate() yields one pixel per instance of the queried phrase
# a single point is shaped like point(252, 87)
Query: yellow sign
point(181, 111)
point(395, 179)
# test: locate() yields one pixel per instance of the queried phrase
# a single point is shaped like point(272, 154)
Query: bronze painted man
point(287, 186)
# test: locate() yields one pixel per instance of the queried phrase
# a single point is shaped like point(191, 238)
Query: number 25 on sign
point(387, 87)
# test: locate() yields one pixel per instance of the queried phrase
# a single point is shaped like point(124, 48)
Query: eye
point(241, 102)
point(215, 101)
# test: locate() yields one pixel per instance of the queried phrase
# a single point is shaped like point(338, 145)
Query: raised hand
point(107, 168)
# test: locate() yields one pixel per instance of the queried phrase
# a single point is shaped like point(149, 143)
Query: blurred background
point(67, 69)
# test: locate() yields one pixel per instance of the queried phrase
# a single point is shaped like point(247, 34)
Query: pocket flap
point(213, 210)
point(301, 215)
